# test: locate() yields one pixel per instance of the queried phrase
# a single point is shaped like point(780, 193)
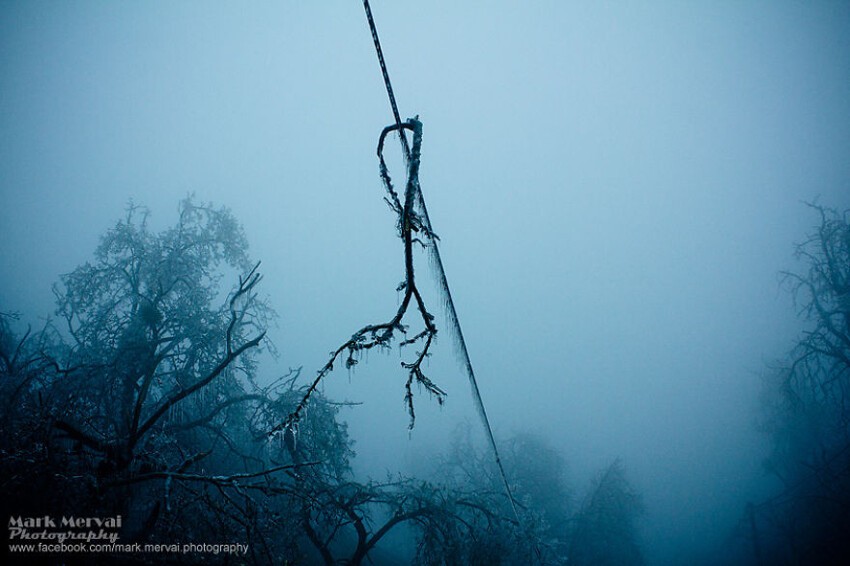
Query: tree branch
point(381, 335)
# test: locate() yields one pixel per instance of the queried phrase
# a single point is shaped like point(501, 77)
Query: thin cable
point(444, 283)
point(386, 76)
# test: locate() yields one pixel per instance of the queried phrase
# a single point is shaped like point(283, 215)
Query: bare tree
point(143, 406)
point(604, 531)
point(808, 409)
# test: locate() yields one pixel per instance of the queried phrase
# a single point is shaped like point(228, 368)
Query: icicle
point(168, 494)
point(292, 429)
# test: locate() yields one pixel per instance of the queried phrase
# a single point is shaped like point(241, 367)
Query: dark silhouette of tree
point(539, 474)
point(28, 459)
point(808, 412)
point(146, 404)
point(604, 531)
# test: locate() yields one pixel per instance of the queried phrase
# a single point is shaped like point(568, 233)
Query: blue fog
point(616, 187)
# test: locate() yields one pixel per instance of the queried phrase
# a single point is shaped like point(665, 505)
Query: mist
point(616, 189)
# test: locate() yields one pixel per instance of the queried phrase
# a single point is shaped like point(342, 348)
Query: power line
point(438, 262)
point(386, 76)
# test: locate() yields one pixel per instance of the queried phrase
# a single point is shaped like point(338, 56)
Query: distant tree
point(808, 411)
point(539, 473)
point(477, 525)
point(604, 531)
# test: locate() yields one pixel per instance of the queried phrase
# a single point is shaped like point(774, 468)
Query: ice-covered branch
point(381, 335)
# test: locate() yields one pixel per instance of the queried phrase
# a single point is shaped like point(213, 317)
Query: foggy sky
point(615, 186)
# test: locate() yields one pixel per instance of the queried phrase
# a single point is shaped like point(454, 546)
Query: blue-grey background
point(616, 186)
